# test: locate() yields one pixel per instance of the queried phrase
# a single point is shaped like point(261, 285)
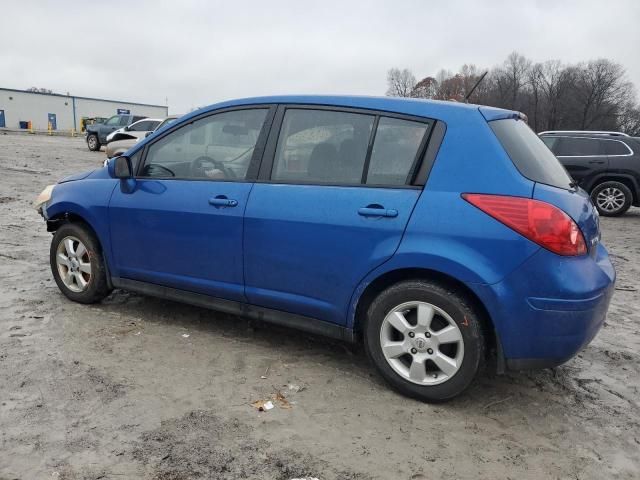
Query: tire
point(80, 283)
point(612, 199)
point(93, 142)
point(451, 310)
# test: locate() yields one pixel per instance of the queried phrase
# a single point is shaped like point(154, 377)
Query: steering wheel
point(153, 169)
point(201, 165)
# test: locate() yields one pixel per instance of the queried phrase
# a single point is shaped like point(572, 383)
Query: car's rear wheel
point(612, 199)
point(77, 264)
point(425, 340)
point(93, 143)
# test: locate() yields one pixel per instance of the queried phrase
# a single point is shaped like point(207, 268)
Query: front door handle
point(223, 201)
point(377, 211)
point(599, 162)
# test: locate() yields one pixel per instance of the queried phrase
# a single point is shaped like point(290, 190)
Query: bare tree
point(511, 78)
point(400, 83)
point(600, 88)
point(630, 121)
point(594, 95)
point(556, 83)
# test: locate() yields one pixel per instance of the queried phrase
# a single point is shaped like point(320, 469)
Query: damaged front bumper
point(41, 201)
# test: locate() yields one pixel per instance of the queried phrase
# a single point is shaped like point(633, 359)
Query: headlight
point(43, 198)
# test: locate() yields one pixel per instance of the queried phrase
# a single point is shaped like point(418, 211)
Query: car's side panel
point(462, 243)
point(306, 247)
point(167, 232)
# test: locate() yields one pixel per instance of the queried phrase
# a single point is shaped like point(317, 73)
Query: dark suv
point(605, 164)
point(97, 133)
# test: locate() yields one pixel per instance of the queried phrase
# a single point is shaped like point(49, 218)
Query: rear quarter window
point(615, 147)
point(529, 154)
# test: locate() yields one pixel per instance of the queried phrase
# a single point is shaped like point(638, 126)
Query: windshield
point(115, 120)
point(529, 154)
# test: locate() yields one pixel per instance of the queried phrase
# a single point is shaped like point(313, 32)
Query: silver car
point(123, 141)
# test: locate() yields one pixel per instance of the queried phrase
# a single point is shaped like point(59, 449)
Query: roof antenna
point(466, 98)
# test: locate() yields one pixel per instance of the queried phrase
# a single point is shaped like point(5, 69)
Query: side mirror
point(147, 134)
point(127, 128)
point(122, 167)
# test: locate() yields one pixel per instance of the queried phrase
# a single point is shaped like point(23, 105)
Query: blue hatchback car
point(436, 233)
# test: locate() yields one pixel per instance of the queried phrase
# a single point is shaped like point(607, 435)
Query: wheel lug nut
point(429, 351)
point(411, 334)
point(428, 335)
point(414, 351)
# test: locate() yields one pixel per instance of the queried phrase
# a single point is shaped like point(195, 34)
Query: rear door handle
point(222, 201)
point(377, 212)
point(599, 162)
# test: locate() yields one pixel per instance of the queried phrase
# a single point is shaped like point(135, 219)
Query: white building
point(63, 112)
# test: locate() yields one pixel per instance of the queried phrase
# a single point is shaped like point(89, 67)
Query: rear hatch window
point(529, 154)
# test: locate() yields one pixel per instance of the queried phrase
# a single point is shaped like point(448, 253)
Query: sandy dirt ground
point(141, 388)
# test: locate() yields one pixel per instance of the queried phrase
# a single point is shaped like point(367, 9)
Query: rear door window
point(529, 154)
point(322, 146)
point(580, 147)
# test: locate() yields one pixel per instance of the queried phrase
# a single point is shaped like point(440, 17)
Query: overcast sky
point(197, 52)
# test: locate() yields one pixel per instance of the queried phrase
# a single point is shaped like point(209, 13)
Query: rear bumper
point(550, 307)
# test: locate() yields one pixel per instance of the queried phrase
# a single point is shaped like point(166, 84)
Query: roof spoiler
point(491, 113)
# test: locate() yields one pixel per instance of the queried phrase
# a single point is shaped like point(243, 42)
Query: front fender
point(89, 200)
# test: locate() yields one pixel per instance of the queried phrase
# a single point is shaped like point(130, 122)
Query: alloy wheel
point(74, 264)
point(610, 199)
point(422, 343)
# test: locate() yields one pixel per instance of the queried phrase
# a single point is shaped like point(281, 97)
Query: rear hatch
point(553, 184)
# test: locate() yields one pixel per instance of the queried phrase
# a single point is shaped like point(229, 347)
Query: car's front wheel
point(77, 264)
point(425, 340)
point(612, 199)
point(93, 143)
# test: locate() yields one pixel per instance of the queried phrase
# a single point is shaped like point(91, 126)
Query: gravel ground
point(137, 387)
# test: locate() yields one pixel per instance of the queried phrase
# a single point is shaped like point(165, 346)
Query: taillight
point(540, 222)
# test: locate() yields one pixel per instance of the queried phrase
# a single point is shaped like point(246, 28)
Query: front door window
point(218, 147)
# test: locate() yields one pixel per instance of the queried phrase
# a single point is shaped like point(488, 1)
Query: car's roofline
point(410, 106)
